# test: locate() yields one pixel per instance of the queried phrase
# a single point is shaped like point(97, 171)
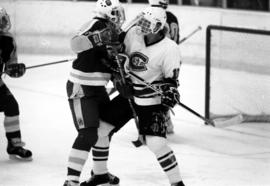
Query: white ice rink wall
point(46, 26)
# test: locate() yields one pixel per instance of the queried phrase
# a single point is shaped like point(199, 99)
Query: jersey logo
point(138, 61)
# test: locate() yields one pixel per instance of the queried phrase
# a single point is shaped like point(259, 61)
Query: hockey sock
point(168, 162)
point(100, 154)
point(76, 161)
point(80, 151)
point(12, 127)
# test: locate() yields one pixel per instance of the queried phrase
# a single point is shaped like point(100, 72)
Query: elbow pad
point(80, 43)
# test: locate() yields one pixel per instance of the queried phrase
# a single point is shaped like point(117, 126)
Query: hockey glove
point(107, 36)
point(15, 70)
point(98, 38)
point(170, 97)
point(123, 85)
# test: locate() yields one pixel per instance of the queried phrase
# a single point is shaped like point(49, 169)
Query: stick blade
point(137, 143)
point(228, 122)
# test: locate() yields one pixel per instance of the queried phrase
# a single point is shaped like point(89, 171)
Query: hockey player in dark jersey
point(8, 103)
point(174, 34)
point(87, 94)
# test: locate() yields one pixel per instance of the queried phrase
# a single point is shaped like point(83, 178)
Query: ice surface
point(234, 156)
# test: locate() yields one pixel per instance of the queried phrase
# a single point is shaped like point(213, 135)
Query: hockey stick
point(209, 122)
point(215, 123)
point(189, 35)
point(44, 64)
point(51, 63)
point(138, 142)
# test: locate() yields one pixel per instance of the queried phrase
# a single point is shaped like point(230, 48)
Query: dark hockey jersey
point(173, 26)
point(89, 68)
point(8, 52)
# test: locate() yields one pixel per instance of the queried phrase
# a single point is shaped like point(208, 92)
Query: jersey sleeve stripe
point(89, 78)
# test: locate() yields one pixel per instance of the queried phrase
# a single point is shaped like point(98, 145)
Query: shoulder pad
point(91, 26)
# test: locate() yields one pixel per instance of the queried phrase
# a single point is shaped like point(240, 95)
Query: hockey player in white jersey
point(156, 59)
point(173, 33)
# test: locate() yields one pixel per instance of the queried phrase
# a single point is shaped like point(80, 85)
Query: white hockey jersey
point(153, 63)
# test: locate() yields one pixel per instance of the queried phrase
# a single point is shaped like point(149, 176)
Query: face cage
point(145, 26)
point(118, 16)
point(5, 23)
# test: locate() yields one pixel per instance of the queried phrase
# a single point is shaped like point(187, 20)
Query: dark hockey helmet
point(5, 24)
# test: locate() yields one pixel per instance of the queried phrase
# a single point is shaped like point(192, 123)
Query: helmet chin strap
point(153, 38)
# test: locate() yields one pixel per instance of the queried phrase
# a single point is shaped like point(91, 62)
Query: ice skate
point(101, 180)
point(16, 151)
point(113, 180)
point(71, 183)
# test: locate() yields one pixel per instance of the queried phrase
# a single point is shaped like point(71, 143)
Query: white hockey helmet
point(159, 3)
point(112, 10)
point(152, 21)
point(5, 24)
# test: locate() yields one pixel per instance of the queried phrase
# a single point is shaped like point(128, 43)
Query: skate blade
point(18, 158)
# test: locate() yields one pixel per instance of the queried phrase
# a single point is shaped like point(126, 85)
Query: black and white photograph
point(134, 92)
